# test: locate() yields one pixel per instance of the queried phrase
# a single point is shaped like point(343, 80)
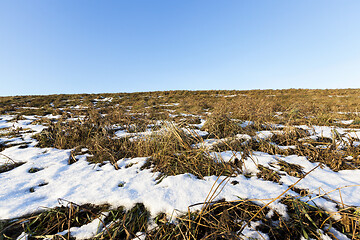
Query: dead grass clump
point(268, 174)
point(231, 144)
point(11, 133)
point(293, 170)
point(263, 145)
point(247, 146)
point(254, 107)
point(136, 125)
point(221, 220)
point(187, 120)
point(52, 221)
point(10, 166)
point(7, 109)
point(154, 114)
point(227, 220)
point(104, 149)
point(306, 220)
point(62, 218)
point(196, 163)
point(220, 126)
point(350, 219)
point(356, 122)
point(172, 154)
point(65, 134)
point(329, 156)
point(92, 132)
point(289, 136)
point(2, 146)
point(43, 121)
point(121, 224)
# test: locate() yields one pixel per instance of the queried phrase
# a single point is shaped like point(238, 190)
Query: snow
point(246, 123)
point(169, 104)
point(82, 183)
point(265, 134)
point(346, 122)
point(23, 236)
point(243, 136)
point(287, 147)
point(336, 233)
point(140, 236)
point(339, 96)
point(195, 132)
point(249, 232)
point(123, 133)
point(23, 124)
point(210, 143)
point(200, 125)
point(148, 132)
point(109, 99)
point(230, 96)
point(88, 230)
point(250, 164)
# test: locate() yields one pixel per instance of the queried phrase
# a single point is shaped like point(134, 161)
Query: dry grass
point(217, 220)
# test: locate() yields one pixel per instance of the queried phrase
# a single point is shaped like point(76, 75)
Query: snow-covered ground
point(23, 191)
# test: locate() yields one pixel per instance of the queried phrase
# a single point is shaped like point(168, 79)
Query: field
point(257, 164)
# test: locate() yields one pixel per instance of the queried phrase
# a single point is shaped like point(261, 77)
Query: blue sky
point(87, 46)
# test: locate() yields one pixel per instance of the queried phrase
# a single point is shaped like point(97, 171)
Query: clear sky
point(86, 46)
